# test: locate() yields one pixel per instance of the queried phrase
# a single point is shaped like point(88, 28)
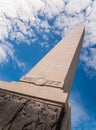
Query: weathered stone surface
point(23, 113)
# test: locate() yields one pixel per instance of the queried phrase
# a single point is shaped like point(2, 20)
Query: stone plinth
point(23, 113)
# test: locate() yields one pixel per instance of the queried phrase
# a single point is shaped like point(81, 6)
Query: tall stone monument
point(39, 101)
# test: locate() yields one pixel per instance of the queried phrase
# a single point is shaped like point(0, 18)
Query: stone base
point(25, 113)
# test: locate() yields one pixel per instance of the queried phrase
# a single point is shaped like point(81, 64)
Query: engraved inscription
point(42, 81)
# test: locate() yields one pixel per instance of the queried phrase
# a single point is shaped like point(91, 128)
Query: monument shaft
point(57, 68)
point(40, 100)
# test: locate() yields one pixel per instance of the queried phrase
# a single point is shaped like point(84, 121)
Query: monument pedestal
point(25, 113)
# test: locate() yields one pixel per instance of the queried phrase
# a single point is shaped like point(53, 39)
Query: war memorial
point(39, 101)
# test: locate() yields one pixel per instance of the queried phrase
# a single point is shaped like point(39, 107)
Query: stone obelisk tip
point(57, 68)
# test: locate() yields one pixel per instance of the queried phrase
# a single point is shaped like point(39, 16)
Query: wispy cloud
point(7, 53)
point(6, 50)
point(29, 21)
point(82, 119)
point(79, 116)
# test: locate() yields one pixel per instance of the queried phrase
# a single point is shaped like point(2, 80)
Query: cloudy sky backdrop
point(30, 28)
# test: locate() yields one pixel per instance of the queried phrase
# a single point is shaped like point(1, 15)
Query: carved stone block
point(24, 113)
point(42, 81)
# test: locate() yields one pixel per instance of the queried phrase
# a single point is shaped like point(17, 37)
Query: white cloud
point(8, 7)
point(76, 6)
point(76, 13)
point(89, 59)
point(18, 13)
point(7, 53)
point(53, 8)
point(78, 111)
point(27, 20)
point(17, 17)
point(6, 50)
point(82, 119)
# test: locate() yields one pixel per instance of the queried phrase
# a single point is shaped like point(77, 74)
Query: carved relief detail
point(24, 113)
point(42, 81)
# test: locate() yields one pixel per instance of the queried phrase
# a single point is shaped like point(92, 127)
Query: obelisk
point(40, 100)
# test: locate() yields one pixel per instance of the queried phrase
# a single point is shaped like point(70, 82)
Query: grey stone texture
point(24, 113)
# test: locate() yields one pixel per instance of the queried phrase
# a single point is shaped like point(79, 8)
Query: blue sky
point(29, 29)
